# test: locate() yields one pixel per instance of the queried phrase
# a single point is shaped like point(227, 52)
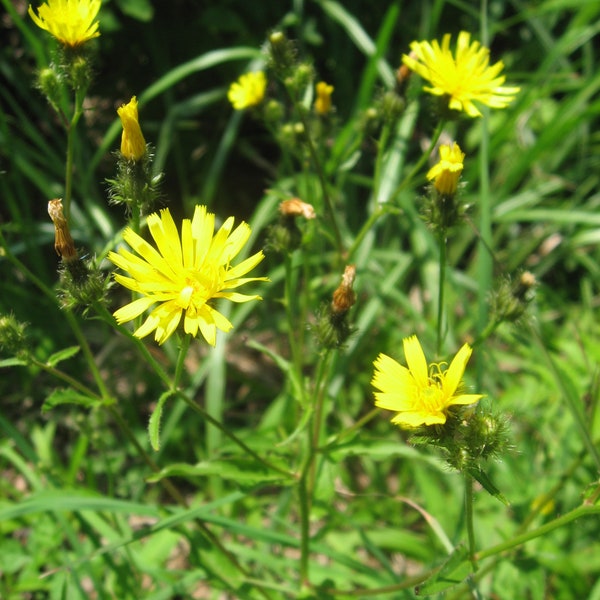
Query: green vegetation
point(260, 467)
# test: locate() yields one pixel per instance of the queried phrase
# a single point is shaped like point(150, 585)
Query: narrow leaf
point(488, 485)
point(155, 417)
point(68, 396)
point(61, 355)
point(12, 362)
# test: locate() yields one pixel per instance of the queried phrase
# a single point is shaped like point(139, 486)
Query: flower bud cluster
point(468, 438)
point(510, 299)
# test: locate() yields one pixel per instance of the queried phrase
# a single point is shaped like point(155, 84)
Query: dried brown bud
point(63, 242)
point(296, 208)
point(344, 297)
point(403, 72)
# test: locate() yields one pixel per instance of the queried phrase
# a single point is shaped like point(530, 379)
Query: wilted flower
point(63, 242)
point(344, 296)
point(464, 78)
point(248, 90)
point(420, 395)
point(184, 275)
point(71, 22)
point(133, 144)
point(294, 207)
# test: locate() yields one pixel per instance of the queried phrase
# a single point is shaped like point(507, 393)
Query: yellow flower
point(420, 394)
point(464, 79)
point(248, 90)
point(323, 101)
point(71, 22)
point(184, 275)
point(133, 144)
point(446, 173)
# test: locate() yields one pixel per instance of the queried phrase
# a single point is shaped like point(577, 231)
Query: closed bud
point(79, 70)
point(50, 84)
point(274, 111)
point(13, 339)
point(510, 298)
point(282, 54)
point(392, 106)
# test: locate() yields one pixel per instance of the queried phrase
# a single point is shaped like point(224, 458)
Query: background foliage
point(79, 507)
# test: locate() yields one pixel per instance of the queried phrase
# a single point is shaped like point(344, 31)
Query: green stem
point(582, 511)
point(291, 311)
point(421, 162)
point(358, 425)
point(469, 519)
point(441, 289)
point(105, 315)
point(317, 418)
point(485, 261)
point(369, 223)
point(77, 112)
point(322, 180)
point(206, 416)
point(185, 344)
point(87, 352)
point(304, 529)
point(166, 483)
point(64, 377)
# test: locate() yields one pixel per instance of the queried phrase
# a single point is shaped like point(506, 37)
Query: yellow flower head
point(420, 394)
point(183, 275)
point(323, 101)
point(133, 144)
point(248, 90)
point(446, 173)
point(71, 22)
point(464, 78)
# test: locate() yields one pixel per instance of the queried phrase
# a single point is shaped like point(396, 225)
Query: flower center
point(198, 287)
point(431, 398)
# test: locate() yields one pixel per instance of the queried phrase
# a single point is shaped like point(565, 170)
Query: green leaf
point(61, 355)
point(155, 417)
point(142, 10)
point(68, 396)
point(454, 571)
point(12, 362)
point(243, 471)
point(488, 485)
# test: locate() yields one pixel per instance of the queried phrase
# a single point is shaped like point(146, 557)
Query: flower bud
point(13, 339)
point(133, 144)
point(49, 83)
point(323, 100)
point(282, 54)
